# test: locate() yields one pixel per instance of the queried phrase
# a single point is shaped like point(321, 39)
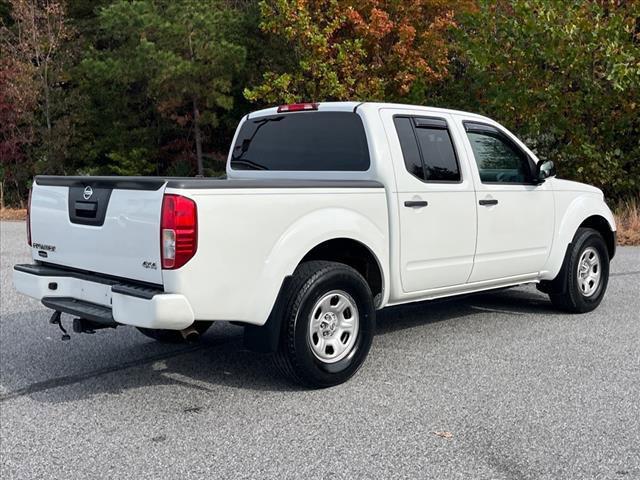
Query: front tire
point(586, 273)
point(328, 324)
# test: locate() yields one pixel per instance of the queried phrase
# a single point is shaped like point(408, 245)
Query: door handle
point(488, 202)
point(416, 203)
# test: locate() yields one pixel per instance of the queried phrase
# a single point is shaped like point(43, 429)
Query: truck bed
point(250, 233)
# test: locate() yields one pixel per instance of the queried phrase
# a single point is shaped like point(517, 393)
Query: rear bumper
point(128, 304)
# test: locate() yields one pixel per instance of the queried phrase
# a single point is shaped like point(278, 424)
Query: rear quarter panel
point(249, 240)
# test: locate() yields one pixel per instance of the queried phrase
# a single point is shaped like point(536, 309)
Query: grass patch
point(13, 214)
point(627, 214)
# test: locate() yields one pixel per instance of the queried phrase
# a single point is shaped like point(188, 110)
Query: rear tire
point(172, 336)
point(328, 324)
point(586, 273)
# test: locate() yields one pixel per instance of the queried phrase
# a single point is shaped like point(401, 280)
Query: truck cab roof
point(259, 149)
point(367, 106)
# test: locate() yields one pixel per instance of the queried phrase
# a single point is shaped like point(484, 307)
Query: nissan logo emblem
point(88, 191)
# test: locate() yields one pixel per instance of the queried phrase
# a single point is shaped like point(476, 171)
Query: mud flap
point(265, 338)
point(559, 284)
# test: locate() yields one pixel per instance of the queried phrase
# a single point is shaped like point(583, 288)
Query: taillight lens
point(178, 231)
point(29, 219)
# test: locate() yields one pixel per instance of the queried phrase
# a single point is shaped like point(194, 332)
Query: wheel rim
point(333, 326)
point(589, 272)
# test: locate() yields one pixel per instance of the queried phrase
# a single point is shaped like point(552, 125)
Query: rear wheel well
point(601, 225)
point(356, 255)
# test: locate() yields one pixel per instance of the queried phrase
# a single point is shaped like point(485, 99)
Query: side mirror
point(545, 170)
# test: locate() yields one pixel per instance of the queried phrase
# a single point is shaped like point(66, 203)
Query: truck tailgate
point(105, 226)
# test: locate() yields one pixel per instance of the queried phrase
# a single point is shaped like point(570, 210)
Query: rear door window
point(409, 145)
point(305, 141)
point(427, 149)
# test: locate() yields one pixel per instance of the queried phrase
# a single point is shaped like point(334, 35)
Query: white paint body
point(251, 239)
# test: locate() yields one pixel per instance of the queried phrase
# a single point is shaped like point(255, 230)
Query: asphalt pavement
point(496, 385)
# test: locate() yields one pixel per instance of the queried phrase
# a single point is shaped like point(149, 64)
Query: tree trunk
point(198, 135)
point(47, 107)
point(19, 193)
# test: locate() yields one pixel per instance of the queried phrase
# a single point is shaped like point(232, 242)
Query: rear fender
point(311, 230)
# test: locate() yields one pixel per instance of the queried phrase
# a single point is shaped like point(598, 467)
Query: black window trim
point(481, 127)
point(436, 125)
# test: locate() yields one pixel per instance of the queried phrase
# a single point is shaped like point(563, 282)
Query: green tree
point(564, 75)
point(175, 59)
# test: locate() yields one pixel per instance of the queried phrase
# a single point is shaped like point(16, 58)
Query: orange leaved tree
point(354, 50)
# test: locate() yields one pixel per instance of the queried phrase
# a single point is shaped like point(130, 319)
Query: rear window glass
point(305, 141)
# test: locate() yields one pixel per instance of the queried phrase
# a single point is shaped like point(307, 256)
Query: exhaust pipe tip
point(190, 334)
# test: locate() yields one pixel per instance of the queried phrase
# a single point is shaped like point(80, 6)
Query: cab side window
point(498, 158)
point(427, 149)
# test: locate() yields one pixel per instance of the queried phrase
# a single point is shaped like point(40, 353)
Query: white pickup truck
point(329, 212)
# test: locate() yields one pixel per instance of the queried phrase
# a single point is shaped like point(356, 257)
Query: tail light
point(29, 219)
point(297, 107)
point(178, 231)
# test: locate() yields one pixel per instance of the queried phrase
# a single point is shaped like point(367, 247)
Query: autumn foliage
point(29, 67)
point(355, 50)
point(17, 102)
point(136, 87)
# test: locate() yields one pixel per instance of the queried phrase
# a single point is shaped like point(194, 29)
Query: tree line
point(157, 86)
